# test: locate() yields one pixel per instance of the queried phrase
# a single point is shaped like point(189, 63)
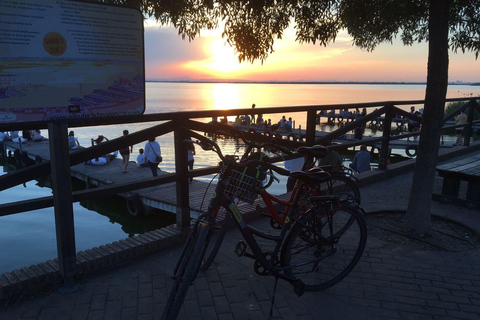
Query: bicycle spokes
point(324, 248)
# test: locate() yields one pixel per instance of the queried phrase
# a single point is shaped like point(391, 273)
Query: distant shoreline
point(303, 82)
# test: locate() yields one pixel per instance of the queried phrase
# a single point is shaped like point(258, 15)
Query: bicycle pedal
point(240, 248)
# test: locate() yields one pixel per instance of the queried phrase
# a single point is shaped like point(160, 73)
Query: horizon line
point(301, 82)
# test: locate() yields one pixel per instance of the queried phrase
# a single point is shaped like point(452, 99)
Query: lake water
point(29, 237)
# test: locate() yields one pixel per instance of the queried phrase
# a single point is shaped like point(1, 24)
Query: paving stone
point(221, 305)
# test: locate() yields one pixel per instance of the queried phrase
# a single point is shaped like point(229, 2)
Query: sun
point(223, 59)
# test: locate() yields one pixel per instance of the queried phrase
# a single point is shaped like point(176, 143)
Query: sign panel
point(62, 59)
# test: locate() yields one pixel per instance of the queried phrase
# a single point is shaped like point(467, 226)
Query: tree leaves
point(251, 26)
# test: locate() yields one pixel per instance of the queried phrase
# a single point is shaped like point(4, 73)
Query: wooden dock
point(377, 122)
point(161, 197)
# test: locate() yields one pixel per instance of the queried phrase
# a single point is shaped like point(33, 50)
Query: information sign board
point(62, 59)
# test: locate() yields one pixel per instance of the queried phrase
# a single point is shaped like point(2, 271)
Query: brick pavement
point(389, 282)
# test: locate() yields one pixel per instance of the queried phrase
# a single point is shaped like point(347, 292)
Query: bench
point(453, 173)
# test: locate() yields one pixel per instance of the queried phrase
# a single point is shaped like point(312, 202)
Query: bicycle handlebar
point(268, 166)
point(209, 145)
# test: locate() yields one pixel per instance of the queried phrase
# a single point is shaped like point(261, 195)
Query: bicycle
point(331, 234)
point(339, 184)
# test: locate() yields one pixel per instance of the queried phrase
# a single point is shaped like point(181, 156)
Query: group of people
point(257, 120)
point(346, 112)
point(149, 156)
point(26, 136)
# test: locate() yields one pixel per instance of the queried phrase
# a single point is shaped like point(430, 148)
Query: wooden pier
point(376, 122)
point(138, 202)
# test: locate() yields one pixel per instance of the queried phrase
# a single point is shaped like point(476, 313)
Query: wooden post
point(387, 128)
point(182, 187)
point(468, 128)
point(311, 127)
point(62, 199)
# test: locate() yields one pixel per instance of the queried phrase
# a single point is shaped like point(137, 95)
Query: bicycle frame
point(248, 232)
point(270, 199)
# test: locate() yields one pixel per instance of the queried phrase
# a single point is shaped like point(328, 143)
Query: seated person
point(4, 136)
point(99, 140)
point(332, 158)
point(72, 140)
point(141, 162)
point(238, 121)
point(361, 161)
point(27, 135)
point(37, 136)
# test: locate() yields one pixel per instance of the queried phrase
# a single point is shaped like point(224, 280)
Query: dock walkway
point(161, 197)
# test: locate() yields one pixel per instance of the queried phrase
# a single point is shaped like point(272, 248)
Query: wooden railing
point(61, 160)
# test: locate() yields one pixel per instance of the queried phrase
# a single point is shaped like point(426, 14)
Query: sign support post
point(63, 204)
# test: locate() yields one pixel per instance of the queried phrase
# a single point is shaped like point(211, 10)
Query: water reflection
point(114, 208)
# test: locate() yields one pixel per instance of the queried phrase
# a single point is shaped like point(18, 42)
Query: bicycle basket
point(243, 186)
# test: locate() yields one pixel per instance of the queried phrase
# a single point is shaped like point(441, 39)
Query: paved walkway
point(389, 283)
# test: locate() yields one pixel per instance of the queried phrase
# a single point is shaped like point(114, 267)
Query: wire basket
point(243, 187)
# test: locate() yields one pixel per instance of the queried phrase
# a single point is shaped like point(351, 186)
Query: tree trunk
point(418, 217)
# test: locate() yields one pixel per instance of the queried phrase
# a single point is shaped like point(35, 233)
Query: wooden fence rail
point(174, 122)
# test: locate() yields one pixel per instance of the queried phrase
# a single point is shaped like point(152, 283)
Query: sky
point(169, 57)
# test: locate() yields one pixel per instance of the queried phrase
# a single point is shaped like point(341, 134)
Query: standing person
point(153, 155)
point(358, 133)
point(260, 120)
point(253, 115)
point(125, 153)
point(281, 123)
point(361, 161)
point(460, 119)
point(191, 159)
point(411, 124)
point(289, 125)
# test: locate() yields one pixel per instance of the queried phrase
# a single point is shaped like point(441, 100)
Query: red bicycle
point(339, 184)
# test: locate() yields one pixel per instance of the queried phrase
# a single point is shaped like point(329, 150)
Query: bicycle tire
point(319, 253)
point(186, 272)
point(216, 236)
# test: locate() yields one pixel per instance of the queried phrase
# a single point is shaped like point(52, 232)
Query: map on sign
point(63, 59)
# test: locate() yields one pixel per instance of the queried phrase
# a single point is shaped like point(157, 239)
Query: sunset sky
point(167, 56)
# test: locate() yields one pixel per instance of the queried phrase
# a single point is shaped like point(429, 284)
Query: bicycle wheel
point(186, 271)
point(322, 248)
point(216, 236)
point(342, 186)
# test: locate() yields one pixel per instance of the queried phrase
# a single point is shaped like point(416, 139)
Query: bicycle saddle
point(317, 151)
point(313, 177)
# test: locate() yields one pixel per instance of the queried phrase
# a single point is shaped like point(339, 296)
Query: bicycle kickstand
point(273, 296)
